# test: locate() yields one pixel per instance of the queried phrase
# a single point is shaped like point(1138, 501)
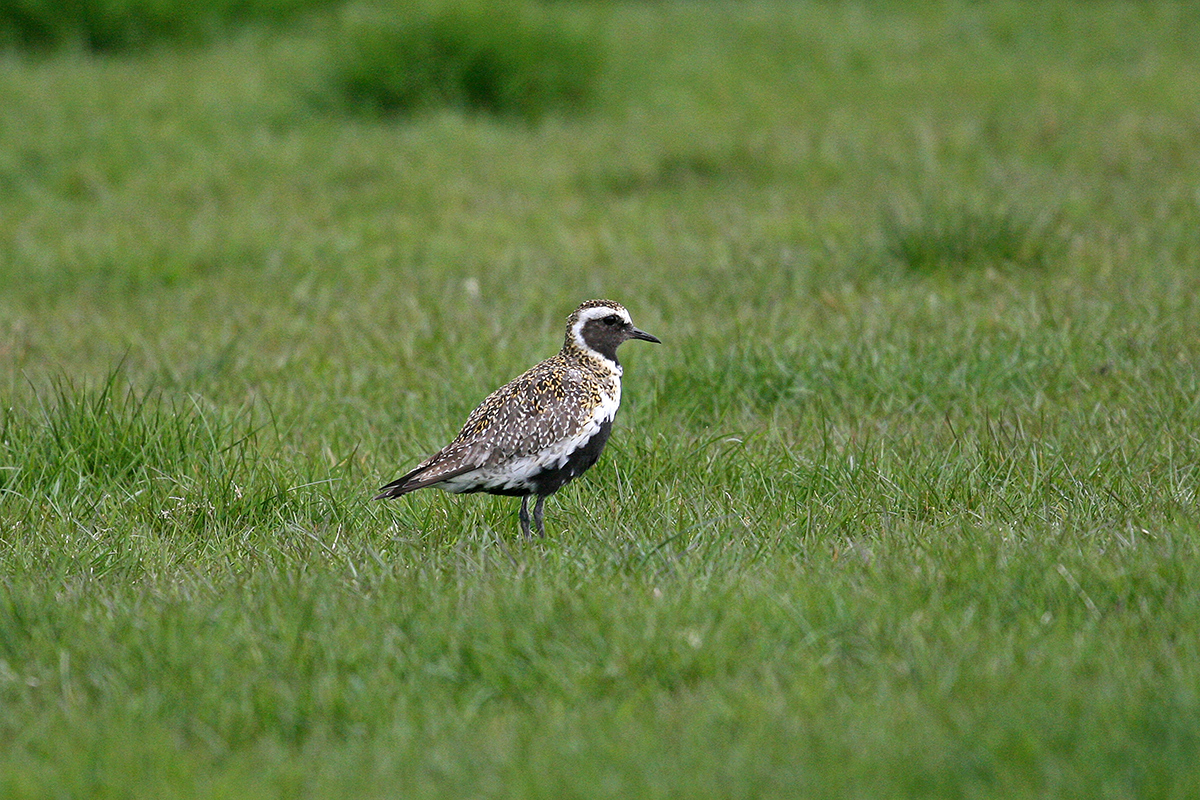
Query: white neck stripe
point(587, 315)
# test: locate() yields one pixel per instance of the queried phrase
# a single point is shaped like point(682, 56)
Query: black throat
point(604, 339)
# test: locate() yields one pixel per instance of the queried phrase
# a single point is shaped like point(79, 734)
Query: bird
point(544, 428)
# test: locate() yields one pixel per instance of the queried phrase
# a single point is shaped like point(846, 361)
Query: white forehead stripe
point(599, 312)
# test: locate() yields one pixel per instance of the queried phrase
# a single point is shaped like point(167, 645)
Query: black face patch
point(604, 335)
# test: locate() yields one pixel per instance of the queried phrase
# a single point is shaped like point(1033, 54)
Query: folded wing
point(519, 419)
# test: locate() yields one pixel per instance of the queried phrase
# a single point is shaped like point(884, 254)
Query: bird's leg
point(537, 515)
point(524, 517)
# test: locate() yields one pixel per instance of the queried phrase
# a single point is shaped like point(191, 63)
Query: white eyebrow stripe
point(599, 312)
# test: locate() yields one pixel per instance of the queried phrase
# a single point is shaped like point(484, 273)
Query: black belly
point(551, 480)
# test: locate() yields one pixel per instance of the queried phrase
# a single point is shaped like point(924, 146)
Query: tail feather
point(419, 478)
point(397, 487)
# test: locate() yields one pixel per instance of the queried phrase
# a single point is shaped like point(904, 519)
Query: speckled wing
point(550, 404)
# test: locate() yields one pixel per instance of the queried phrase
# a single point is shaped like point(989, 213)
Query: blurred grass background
point(906, 505)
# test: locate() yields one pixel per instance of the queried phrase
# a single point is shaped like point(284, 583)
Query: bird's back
point(528, 426)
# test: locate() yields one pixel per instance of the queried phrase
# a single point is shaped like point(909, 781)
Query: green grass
point(955, 238)
point(120, 26)
point(862, 530)
point(510, 59)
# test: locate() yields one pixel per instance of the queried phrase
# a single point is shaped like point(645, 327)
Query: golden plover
point(542, 429)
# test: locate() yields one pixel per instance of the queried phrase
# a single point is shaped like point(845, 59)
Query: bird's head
point(598, 327)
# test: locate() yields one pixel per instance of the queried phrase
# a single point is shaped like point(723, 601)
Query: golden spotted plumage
point(564, 389)
point(543, 428)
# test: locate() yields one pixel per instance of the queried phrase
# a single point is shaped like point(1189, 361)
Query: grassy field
point(904, 506)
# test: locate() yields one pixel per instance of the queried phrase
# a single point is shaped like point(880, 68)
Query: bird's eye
point(612, 319)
